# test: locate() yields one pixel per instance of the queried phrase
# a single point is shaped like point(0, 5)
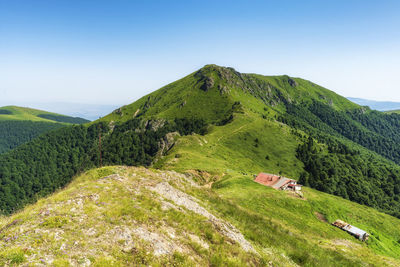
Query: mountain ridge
point(214, 84)
point(25, 113)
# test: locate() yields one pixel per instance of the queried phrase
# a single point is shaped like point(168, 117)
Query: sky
point(114, 52)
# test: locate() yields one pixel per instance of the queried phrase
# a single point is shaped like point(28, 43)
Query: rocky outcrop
point(292, 82)
point(205, 81)
point(154, 125)
point(165, 190)
point(167, 143)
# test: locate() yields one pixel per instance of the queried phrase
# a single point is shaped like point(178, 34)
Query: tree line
point(48, 162)
point(336, 159)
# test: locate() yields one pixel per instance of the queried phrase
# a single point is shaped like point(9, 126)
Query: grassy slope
point(393, 111)
point(184, 98)
point(107, 221)
point(255, 142)
point(25, 114)
point(96, 219)
point(235, 158)
point(306, 91)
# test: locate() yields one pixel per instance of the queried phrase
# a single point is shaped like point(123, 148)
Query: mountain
point(221, 127)
point(378, 105)
point(19, 125)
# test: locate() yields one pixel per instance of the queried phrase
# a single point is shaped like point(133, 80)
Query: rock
point(199, 241)
point(85, 262)
point(118, 111)
point(111, 125)
point(180, 198)
point(167, 143)
point(154, 125)
point(206, 82)
point(136, 113)
point(292, 82)
point(160, 245)
point(182, 104)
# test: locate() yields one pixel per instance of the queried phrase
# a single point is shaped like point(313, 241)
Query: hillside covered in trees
point(19, 125)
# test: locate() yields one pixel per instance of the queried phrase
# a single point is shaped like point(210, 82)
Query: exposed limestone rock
point(159, 244)
point(154, 125)
point(167, 143)
point(182, 199)
point(136, 113)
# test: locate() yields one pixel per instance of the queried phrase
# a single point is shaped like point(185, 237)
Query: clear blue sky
point(113, 52)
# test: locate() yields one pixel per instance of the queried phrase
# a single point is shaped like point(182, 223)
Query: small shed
point(357, 232)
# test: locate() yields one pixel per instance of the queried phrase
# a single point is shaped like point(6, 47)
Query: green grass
point(79, 223)
point(25, 114)
point(393, 111)
point(185, 98)
point(274, 217)
point(182, 98)
point(249, 147)
point(298, 217)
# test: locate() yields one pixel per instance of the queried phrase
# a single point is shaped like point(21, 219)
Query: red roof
point(267, 179)
point(274, 181)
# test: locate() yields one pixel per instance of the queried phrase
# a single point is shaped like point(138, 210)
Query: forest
point(335, 165)
point(50, 161)
point(14, 133)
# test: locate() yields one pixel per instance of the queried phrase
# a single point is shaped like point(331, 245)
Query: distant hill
point(393, 111)
point(377, 105)
point(30, 114)
point(219, 127)
point(83, 110)
point(19, 125)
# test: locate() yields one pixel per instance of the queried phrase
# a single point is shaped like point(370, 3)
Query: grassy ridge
point(210, 93)
point(97, 216)
point(393, 111)
point(30, 114)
